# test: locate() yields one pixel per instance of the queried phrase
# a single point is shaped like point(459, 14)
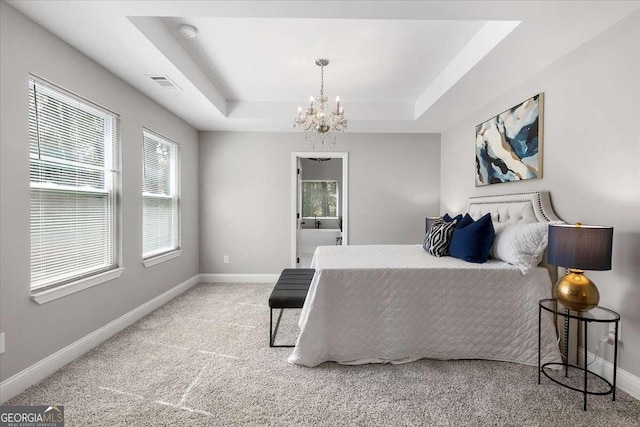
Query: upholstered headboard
point(514, 208)
point(517, 208)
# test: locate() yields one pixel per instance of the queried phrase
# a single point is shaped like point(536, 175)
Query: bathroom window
point(320, 199)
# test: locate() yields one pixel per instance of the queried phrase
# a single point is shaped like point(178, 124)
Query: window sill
point(161, 258)
point(44, 296)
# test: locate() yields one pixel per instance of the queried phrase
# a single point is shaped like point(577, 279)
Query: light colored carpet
point(203, 360)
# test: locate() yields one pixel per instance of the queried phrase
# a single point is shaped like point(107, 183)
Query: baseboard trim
point(239, 278)
point(35, 373)
point(625, 380)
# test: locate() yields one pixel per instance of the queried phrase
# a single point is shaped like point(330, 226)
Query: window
point(73, 189)
point(160, 196)
point(320, 199)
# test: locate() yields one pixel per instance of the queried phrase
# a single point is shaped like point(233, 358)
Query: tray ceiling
point(398, 66)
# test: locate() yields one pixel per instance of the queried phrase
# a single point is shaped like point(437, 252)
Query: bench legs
point(273, 332)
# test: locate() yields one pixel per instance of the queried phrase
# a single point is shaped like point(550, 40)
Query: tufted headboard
point(516, 208)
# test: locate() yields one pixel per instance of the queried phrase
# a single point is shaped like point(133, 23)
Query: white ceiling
point(398, 66)
point(370, 60)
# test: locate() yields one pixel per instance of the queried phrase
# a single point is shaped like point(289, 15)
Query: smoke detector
point(188, 31)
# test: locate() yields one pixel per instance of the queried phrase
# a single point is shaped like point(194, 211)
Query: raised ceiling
point(260, 59)
point(398, 66)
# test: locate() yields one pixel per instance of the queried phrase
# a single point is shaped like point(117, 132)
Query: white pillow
point(521, 245)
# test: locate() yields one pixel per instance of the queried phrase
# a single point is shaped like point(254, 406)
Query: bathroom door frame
point(294, 196)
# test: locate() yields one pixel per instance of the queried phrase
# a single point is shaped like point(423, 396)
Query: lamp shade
point(583, 247)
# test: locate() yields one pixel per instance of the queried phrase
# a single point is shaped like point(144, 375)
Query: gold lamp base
point(576, 291)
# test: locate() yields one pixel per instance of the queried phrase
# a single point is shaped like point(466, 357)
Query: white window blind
point(74, 184)
point(160, 195)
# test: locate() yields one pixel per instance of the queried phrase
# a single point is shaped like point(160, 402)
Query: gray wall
point(329, 170)
point(394, 182)
point(35, 331)
point(591, 162)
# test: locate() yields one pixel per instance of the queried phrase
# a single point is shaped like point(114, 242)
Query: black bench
point(290, 292)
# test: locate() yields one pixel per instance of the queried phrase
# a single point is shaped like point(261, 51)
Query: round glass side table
point(597, 315)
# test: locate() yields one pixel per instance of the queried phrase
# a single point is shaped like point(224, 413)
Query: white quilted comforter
point(396, 303)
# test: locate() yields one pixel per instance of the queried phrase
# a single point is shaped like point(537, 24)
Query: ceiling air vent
point(165, 82)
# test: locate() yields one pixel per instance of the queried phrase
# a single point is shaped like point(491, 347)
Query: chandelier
point(320, 127)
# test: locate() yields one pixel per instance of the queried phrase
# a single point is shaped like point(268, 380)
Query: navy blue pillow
point(447, 218)
point(473, 242)
point(463, 222)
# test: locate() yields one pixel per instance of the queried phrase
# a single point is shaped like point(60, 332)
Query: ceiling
point(398, 66)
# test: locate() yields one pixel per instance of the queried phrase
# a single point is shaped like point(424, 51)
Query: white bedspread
point(396, 303)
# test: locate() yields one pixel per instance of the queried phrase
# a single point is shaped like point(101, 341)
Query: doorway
point(319, 203)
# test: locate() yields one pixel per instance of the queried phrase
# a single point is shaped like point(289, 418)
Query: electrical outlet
point(612, 332)
point(226, 259)
point(1, 342)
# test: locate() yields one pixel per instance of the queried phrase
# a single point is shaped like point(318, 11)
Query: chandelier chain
point(321, 81)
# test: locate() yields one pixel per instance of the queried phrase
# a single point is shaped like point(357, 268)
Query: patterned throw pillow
point(438, 238)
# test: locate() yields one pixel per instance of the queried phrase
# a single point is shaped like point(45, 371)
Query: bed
point(397, 304)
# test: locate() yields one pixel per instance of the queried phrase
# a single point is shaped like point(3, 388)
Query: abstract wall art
point(509, 145)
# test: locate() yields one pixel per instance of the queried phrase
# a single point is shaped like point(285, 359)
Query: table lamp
point(579, 247)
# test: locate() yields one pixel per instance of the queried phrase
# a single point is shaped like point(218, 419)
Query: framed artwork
point(509, 145)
